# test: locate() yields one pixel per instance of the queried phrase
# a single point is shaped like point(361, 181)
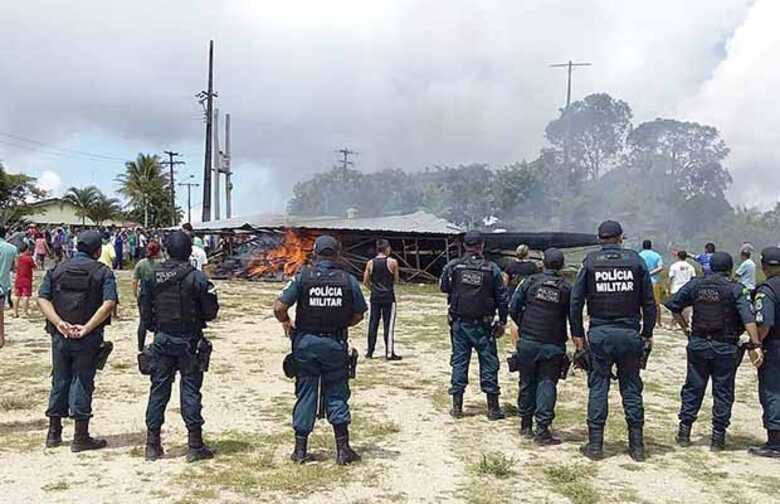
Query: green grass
point(572, 481)
point(495, 464)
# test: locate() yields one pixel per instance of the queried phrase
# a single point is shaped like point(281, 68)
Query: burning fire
point(284, 259)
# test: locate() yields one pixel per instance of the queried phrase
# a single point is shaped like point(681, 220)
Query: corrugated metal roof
point(417, 223)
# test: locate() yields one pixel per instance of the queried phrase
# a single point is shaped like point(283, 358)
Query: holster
point(582, 359)
point(647, 347)
point(512, 363)
point(203, 354)
point(101, 357)
point(565, 366)
point(145, 361)
point(353, 360)
point(289, 366)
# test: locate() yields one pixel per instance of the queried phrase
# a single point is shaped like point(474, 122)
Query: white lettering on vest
point(326, 296)
point(614, 280)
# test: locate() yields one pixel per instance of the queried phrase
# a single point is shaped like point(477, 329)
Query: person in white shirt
point(198, 258)
point(680, 273)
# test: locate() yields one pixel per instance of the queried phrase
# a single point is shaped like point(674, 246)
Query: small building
point(56, 211)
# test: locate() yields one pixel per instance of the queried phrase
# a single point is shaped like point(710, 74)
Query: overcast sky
point(408, 84)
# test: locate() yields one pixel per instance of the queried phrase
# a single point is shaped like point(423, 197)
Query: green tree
point(147, 189)
point(104, 208)
point(83, 199)
point(16, 192)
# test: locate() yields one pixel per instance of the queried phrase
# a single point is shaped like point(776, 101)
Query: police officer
point(616, 285)
point(540, 308)
point(328, 301)
point(77, 298)
point(475, 291)
point(767, 308)
point(175, 304)
point(721, 313)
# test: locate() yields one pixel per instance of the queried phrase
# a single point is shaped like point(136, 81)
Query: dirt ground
point(412, 450)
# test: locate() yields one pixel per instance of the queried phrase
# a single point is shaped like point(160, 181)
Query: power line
point(345, 162)
point(569, 66)
point(61, 149)
point(171, 163)
point(41, 151)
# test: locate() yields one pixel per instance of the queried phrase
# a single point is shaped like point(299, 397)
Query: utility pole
point(171, 163)
point(217, 165)
point(207, 98)
point(569, 66)
point(345, 162)
point(228, 172)
point(189, 186)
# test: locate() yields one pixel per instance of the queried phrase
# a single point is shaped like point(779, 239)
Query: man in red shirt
point(25, 264)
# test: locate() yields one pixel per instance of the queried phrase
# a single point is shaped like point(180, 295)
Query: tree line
point(665, 180)
point(144, 185)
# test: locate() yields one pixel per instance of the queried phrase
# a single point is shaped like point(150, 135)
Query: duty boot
point(636, 444)
point(54, 436)
point(718, 441)
point(457, 406)
point(594, 448)
point(196, 450)
point(394, 357)
point(154, 449)
point(772, 447)
point(82, 441)
point(299, 454)
point(344, 453)
point(527, 427)
point(544, 437)
point(683, 435)
point(494, 411)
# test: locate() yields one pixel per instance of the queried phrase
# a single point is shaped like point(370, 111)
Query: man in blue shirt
point(704, 259)
point(328, 301)
point(746, 272)
point(76, 298)
point(655, 265)
point(8, 253)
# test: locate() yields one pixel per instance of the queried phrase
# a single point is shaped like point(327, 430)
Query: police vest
point(324, 303)
point(774, 285)
point(174, 305)
point(715, 311)
point(472, 294)
point(614, 279)
point(547, 307)
point(77, 291)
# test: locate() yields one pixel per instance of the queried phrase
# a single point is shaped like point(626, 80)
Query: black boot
point(82, 441)
point(527, 427)
point(684, 435)
point(494, 411)
point(54, 436)
point(457, 406)
point(544, 437)
point(594, 448)
point(772, 447)
point(344, 453)
point(196, 450)
point(154, 449)
point(718, 441)
point(299, 454)
point(636, 444)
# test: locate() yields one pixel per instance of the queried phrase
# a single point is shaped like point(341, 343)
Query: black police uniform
point(721, 308)
point(617, 287)
point(540, 308)
point(475, 291)
point(767, 309)
point(176, 303)
point(76, 288)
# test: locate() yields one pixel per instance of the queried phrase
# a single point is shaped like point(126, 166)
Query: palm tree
point(144, 182)
point(83, 199)
point(104, 208)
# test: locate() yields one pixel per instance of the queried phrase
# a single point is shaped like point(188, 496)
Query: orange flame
point(287, 258)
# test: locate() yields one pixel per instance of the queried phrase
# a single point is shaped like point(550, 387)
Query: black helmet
point(179, 245)
point(721, 262)
point(553, 259)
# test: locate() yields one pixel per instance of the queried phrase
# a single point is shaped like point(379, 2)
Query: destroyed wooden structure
point(272, 246)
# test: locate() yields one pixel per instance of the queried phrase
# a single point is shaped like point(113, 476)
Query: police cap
point(553, 258)
point(771, 256)
point(721, 262)
point(89, 242)
point(473, 238)
point(179, 245)
point(610, 229)
point(326, 245)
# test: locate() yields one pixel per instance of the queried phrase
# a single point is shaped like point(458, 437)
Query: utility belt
point(716, 337)
point(337, 334)
point(455, 318)
point(201, 358)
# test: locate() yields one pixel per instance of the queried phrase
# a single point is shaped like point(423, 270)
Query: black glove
point(582, 359)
